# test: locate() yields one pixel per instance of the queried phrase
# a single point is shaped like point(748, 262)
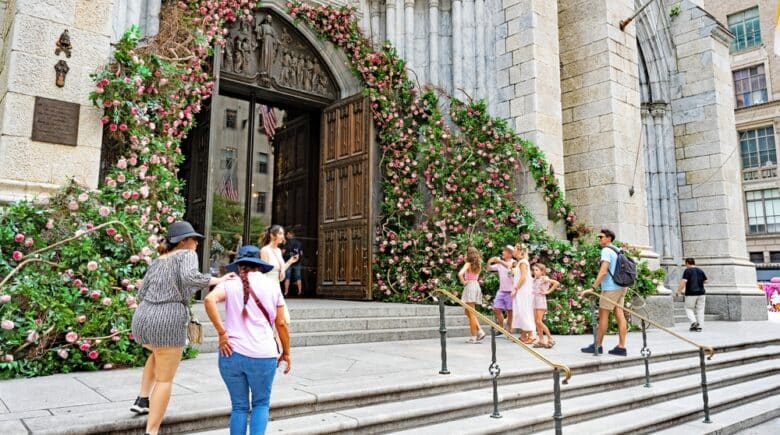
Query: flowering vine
point(447, 186)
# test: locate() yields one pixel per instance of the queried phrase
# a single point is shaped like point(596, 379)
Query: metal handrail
point(554, 365)
point(709, 349)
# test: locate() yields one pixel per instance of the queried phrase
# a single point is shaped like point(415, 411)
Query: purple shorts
point(503, 301)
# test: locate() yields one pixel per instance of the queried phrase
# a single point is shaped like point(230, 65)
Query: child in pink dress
point(543, 285)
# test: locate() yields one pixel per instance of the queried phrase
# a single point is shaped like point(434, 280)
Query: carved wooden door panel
point(291, 176)
point(195, 170)
point(344, 257)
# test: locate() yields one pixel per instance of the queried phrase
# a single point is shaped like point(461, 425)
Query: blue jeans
point(243, 374)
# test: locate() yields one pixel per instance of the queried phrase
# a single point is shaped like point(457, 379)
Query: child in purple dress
point(503, 301)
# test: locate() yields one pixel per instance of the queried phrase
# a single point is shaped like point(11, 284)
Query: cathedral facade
point(633, 102)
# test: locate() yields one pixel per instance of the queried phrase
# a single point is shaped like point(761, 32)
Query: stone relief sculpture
point(61, 69)
point(272, 55)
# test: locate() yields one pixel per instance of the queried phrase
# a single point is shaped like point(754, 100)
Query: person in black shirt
point(693, 281)
point(293, 247)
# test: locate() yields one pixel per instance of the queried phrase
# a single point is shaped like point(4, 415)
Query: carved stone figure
point(238, 56)
point(286, 76)
point(308, 69)
point(63, 44)
point(61, 69)
point(227, 55)
point(245, 47)
point(319, 83)
point(297, 70)
point(266, 34)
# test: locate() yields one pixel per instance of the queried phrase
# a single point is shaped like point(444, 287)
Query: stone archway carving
point(657, 70)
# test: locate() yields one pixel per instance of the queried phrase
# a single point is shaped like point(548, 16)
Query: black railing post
point(705, 396)
point(443, 334)
point(646, 354)
point(558, 415)
point(595, 324)
point(495, 370)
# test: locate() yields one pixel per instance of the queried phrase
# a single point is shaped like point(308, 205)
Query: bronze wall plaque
point(55, 121)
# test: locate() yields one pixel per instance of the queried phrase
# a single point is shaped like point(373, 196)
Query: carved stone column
point(457, 46)
point(390, 21)
point(479, 12)
point(653, 192)
point(658, 111)
point(433, 41)
point(409, 32)
point(376, 34)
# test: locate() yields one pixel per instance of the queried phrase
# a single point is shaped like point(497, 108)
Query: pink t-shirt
point(504, 277)
point(252, 336)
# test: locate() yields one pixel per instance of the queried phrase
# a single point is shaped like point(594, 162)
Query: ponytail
point(165, 247)
point(243, 273)
point(273, 229)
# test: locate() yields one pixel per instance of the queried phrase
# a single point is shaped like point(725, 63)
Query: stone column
point(457, 47)
point(33, 168)
point(409, 33)
point(376, 34)
point(658, 111)
point(433, 35)
point(651, 144)
point(479, 12)
point(710, 192)
point(390, 21)
point(601, 118)
point(529, 78)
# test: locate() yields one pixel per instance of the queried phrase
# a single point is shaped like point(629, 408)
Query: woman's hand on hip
point(285, 357)
point(225, 349)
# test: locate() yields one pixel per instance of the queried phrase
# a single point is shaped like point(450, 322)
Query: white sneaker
point(472, 340)
point(481, 335)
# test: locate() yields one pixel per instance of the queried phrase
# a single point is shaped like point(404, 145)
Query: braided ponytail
point(243, 273)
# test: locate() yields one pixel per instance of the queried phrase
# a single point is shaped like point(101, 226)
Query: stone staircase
point(605, 396)
point(317, 322)
point(680, 317)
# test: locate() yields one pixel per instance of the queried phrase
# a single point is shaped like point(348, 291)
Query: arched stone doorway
point(286, 139)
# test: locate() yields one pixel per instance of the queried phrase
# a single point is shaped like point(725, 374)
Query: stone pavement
point(50, 404)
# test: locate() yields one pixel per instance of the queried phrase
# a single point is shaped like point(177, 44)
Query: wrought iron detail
point(443, 337)
point(495, 371)
point(704, 393)
point(645, 352)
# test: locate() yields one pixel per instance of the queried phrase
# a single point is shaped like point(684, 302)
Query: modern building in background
point(756, 72)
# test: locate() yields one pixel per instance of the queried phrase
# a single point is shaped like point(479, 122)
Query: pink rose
point(63, 353)
point(104, 211)
point(73, 206)
point(7, 325)
point(111, 231)
point(50, 224)
point(17, 256)
point(135, 259)
point(71, 337)
point(84, 347)
point(95, 294)
point(130, 300)
point(93, 354)
point(113, 127)
point(104, 120)
point(107, 366)
point(77, 282)
point(84, 291)
point(126, 195)
point(122, 127)
point(4, 299)
point(92, 265)
point(32, 336)
point(125, 282)
point(81, 319)
point(8, 357)
point(130, 336)
point(106, 301)
point(28, 243)
point(121, 164)
point(83, 197)
point(19, 238)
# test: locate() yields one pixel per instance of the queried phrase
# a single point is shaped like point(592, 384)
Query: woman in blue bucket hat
point(248, 350)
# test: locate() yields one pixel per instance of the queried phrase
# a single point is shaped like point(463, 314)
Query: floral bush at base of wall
point(68, 306)
point(449, 186)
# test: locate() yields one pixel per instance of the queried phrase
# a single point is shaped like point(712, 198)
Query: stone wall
point(710, 191)
point(29, 168)
point(601, 117)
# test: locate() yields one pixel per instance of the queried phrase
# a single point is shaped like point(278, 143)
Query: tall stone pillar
point(531, 83)
point(601, 118)
point(433, 41)
point(710, 193)
point(390, 23)
point(409, 33)
point(457, 47)
point(28, 167)
point(376, 33)
point(481, 85)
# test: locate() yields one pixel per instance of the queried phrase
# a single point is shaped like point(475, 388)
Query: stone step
point(210, 343)
point(625, 410)
point(707, 318)
point(739, 420)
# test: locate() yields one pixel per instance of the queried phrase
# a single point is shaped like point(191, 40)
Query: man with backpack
point(614, 264)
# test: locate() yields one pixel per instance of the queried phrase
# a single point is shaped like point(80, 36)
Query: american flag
point(269, 120)
point(228, 188)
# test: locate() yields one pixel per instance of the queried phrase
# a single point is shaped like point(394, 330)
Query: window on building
point(758, 147)
point(746, 29)
point(260, 199)
point(763, 210)
point(750, 86)
point(228, 160)
point(774, 256)
point(230, 118)
point(757, 257)
point(262, 163)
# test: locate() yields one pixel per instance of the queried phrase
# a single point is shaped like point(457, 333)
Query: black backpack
point(625, 269)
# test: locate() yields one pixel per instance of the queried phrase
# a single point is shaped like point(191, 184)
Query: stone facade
point(638, 122)
point(30, 32)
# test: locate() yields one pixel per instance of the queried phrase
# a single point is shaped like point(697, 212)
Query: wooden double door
point(324, 194)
